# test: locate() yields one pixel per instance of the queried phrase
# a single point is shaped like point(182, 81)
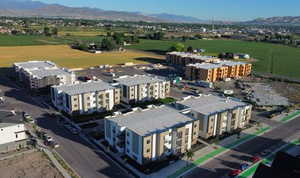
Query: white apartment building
point(217, 115)
point(12, 131)
point(151, 134)
point(85, 98)
point(41, 74)
point(141, 88)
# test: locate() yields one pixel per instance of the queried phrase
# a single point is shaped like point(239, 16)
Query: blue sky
point(204, 9)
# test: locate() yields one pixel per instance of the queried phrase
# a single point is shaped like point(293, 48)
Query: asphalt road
point(87, 162)
point(270, 141)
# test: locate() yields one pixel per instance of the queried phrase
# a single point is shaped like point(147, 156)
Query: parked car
point(74, 131)
point(47, 138)
point(53, 144)
point(244, 166)
point(234, 173)
point(255, 159)
point(27, 118)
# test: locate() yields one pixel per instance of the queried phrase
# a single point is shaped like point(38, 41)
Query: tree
point(47, 31)
point(238, 132)
point(119, 38)
point(190, 49)
point(189, 155)
point(179, 47)
point(55, 31)
point(158, 36)
point(108, 44)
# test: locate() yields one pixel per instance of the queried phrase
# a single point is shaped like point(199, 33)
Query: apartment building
point(12, 132)
point(216, 115)
point(183, 58)
point(140, 88)
point(212, 72)
point(151, 134)
point(85, 98)
point(42, 74)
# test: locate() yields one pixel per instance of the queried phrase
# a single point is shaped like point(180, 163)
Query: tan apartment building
point(154, 133)
point(42, 74)
point(212, 72)
point(151, 134)
point(217, 115)
point(183, 58)
point(85, 98)
point(141, 88)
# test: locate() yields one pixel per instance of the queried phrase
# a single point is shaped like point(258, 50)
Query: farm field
point(64, 56)
point(286, 60)
point(28, 40)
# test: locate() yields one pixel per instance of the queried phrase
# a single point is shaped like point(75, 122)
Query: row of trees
point(155, 36)
point(179, 47)
point(109, 43)
point(50, 31)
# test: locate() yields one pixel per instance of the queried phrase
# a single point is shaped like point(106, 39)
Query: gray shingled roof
point(36, 64)
point(152, 120)
point(138, 79)
point(41, 73)
point(210, 104)
point(86, 87)
point(8, 119)
point(215, 65)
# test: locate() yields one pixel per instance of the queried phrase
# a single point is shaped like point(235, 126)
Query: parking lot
point(78, 153)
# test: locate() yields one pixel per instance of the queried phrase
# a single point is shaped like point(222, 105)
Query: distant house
point(12, 131)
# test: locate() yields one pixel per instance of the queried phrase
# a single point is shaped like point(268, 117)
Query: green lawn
point(286, 60)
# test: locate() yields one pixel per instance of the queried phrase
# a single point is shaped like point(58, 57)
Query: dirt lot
point(288, 90)
point(32, 165)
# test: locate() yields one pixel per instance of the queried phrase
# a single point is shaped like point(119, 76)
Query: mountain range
point(33, 8)
point(29, 8)
point(286, 20)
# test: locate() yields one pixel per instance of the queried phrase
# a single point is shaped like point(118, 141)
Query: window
point(148, 141)
point(195, 125)
point(107, 95)
point(16, 135)
point(88, 98)
point(75, 99)
point(148, 150)
point(179, 134)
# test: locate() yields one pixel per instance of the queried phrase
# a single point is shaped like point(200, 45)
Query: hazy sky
point(204, 9)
